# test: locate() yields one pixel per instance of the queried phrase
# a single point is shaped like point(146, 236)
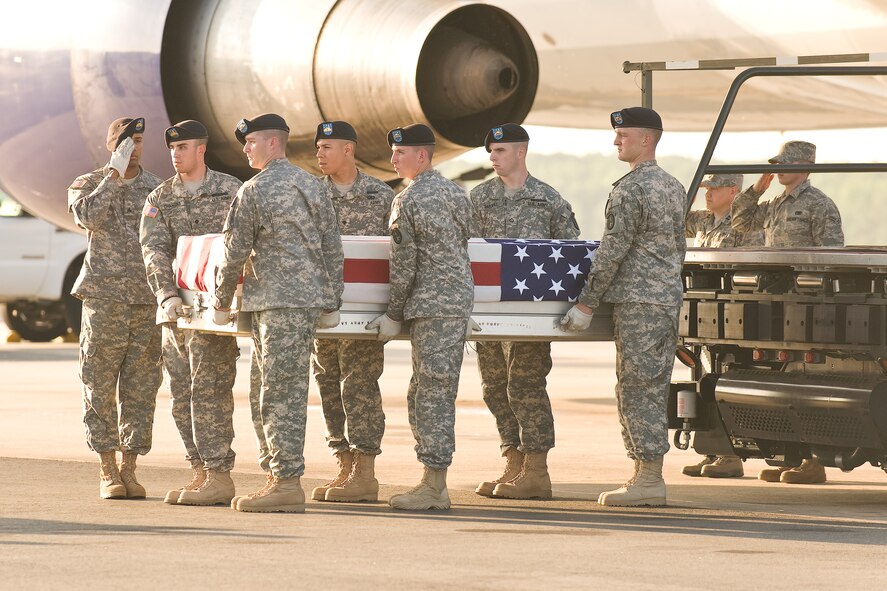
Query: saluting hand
point(120, 156)
point(763, 183)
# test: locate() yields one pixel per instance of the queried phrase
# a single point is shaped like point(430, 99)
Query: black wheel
point(38, 322)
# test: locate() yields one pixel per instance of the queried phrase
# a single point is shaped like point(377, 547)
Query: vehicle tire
point(73, 305)
point(38, 322)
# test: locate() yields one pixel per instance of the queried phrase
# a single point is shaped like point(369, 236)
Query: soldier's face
point(186, 155)
point(406, 161)
point(719, 199)
point(629, 143)
point(258, 149)
point(333, 155)
point(787, 179)
point(136, 156)
point(504, 158)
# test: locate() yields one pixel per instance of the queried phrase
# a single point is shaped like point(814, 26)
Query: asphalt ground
point(742, 533)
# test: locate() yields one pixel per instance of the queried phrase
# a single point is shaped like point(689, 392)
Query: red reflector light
point(783, 356)
point(758, 355)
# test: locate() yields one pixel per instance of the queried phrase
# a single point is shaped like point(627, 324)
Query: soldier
point(285, 229)
point(119, 341)
point(638, 269)
point(514, 204)
point(712, 229)
point(347, 371)
point(201, 366)
point(801, 216)
point(431, 284)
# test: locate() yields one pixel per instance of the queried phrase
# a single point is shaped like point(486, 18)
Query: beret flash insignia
point(397, 135)
point(497, 133)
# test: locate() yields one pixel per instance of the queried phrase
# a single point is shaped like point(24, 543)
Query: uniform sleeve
point(827, 230)
point(747, 214)
point(695, 222)
point(476, 227)
point(158, 249)
point(388, 195)
point(241, 229)
point(624, 220)
point(91, 205)
point(402, 271)
point(563, 224)
point(331, 249)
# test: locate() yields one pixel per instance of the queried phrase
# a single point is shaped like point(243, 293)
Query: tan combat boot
point(283, 495)
point(361, 484)
point(809, 472)
point(269, 481)
point(134, 490)
point(533, 481)
point(724, 467)
point(430, 493)
point(217, 489)
point(514, 461)
point(646, 487)
point(696, 469)
point(198, 476)
point(110, 485)
point(773, 474)
point(345, 460)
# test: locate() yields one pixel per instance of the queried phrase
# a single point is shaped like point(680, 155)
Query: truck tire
point(37, 322)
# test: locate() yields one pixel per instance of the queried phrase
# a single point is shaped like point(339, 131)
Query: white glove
point(222, 317)
point(173, 308)
point(328, 320)
point(471, 328)
point(387, 328)
point(120, 156)
point(576, 320)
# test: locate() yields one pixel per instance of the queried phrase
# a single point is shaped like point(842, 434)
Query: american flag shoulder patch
point(150, 211)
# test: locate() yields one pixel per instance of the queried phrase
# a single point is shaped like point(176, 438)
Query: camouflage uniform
point(119, 340)
point(347, 371)
point(432, 285)
point(713, 233)
point(804, 217)
point(513, 373)
point(285, 230)
point(201, 366)
point(638, 268)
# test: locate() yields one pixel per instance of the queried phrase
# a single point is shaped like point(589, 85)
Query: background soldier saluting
point(514, 204)
point(119, 340)
point(347, 371)
point(201, 366)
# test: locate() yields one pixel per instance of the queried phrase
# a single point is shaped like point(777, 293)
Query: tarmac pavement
point(55, 532)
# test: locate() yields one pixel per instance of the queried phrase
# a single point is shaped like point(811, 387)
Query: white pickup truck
point(38, 265)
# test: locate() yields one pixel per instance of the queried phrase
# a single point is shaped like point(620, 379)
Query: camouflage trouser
point(438, 346)
point(201, 369)
point(282, 341)
point(646, 338)
point(119, 367)
point(513, 381)
point(347, 374)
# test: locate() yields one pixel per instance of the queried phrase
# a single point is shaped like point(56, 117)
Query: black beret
point(123, 128)
point(185, 130)
point(260, 123)
point(506, 133)
point(411, 135)
point(335, 130)
point(636, 117)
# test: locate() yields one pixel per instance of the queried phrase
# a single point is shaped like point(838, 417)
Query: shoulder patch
point(78, 184)
point(150, 211)
point(396, 235)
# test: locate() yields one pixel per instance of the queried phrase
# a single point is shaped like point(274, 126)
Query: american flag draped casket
point(521, 287)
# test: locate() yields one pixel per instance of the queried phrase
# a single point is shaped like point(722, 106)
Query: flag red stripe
point(366, 270)
point(485, 273)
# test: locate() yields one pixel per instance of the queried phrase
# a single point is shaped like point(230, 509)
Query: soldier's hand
point(173, 308)
point(471, 328)
point(576, 320)
point(222, 317)
point(763, 183)
point(120, 156)
point(386, 327)
point(328, 320)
